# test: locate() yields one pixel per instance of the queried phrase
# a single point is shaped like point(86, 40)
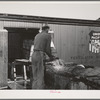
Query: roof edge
point(52, 20)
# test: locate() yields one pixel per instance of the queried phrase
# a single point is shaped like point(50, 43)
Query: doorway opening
point(19, 44)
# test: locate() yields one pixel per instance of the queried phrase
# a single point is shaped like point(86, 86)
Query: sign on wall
point(94, 42)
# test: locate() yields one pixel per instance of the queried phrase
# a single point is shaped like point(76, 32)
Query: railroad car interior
point(19, 43)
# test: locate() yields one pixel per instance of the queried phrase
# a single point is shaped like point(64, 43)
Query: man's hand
point(53, 58)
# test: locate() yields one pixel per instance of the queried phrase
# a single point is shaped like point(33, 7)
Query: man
point(41, 46)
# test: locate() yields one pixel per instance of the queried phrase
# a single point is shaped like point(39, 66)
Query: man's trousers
point(37, 75)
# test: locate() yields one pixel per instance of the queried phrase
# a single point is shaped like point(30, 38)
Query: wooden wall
point(72, 43)
point(3, 57)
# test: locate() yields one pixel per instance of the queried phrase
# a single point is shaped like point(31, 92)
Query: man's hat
point(45, 27)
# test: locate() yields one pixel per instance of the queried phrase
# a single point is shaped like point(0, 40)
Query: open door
point(19, 44)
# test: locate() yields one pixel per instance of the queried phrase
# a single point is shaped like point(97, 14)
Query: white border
point(52, 2)
point(41, 94)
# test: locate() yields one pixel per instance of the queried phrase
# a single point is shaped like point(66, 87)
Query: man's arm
point(48, 46)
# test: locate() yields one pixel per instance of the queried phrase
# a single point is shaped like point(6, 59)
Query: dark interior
point(19, 43)
point(18, 38)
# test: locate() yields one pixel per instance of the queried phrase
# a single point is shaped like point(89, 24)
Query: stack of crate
point(26, 47)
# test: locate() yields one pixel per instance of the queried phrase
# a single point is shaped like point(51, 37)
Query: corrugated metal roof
point(51, 20)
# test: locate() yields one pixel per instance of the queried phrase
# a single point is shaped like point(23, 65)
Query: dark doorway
point(17, 37)
point(19, 43)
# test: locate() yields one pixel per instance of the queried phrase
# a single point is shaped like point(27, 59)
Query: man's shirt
point(42, 42)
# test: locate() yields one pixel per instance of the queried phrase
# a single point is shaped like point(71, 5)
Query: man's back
point(41, 41)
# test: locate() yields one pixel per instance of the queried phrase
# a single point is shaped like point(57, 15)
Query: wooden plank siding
point(3, 57)
point(21, 24)
point(71, 41)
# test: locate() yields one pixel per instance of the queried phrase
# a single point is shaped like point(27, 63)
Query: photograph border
point(18, 94)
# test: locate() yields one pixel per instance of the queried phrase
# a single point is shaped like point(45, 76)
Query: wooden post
point(3, 58)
